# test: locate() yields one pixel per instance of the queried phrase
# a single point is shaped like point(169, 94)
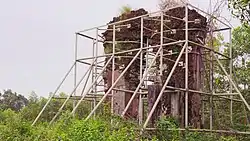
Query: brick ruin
point(172, 103)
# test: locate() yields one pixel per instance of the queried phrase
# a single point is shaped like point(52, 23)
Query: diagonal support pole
point(50, 98)
point(93, 83)
point(59, 111)
point(231, 81)
point(143, 78)
point(164, 86)
point(141, 81)
point(67, 99)
point(110, 89)
point(86, 82)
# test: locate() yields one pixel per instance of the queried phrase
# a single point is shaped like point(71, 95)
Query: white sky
point(37, 38)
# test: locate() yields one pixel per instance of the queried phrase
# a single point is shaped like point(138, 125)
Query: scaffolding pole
point(163, 88)
point(113, 70)
point(230, 73)
point(186, 67)
point(140, 111)
point(51, 96)
point(211, 75)
point(161, 47)
point(64, 103)
point(231, 81)
point(111, 88)
point(75, 73)
point(141, 81)
point(91, 85)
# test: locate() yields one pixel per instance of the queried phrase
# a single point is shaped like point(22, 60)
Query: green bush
point(14, 127)
point(163, 126)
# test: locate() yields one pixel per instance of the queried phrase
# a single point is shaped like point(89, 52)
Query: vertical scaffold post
point(230, 73)
point(95, 53)
point(202, 112)
point(92, 71)
point(211, 80)
point(211, 70)
point(141, 61)
point(75, 69)
point(146, 68)
point(161, 42)
point(113, 70)
point(186, 66)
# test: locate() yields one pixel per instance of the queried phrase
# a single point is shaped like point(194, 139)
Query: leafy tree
point(241, 60)
point(12, 100)
point(33, 97)
point(241, 9)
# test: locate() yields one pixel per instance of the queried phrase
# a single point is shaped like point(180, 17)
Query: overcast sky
point(37, 37)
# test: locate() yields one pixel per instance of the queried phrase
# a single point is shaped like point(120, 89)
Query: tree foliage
point(12, 100)
point(241, 54)
point(240, 9)
point(16, 126)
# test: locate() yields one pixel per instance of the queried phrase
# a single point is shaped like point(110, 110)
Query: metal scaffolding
point(94, 92)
